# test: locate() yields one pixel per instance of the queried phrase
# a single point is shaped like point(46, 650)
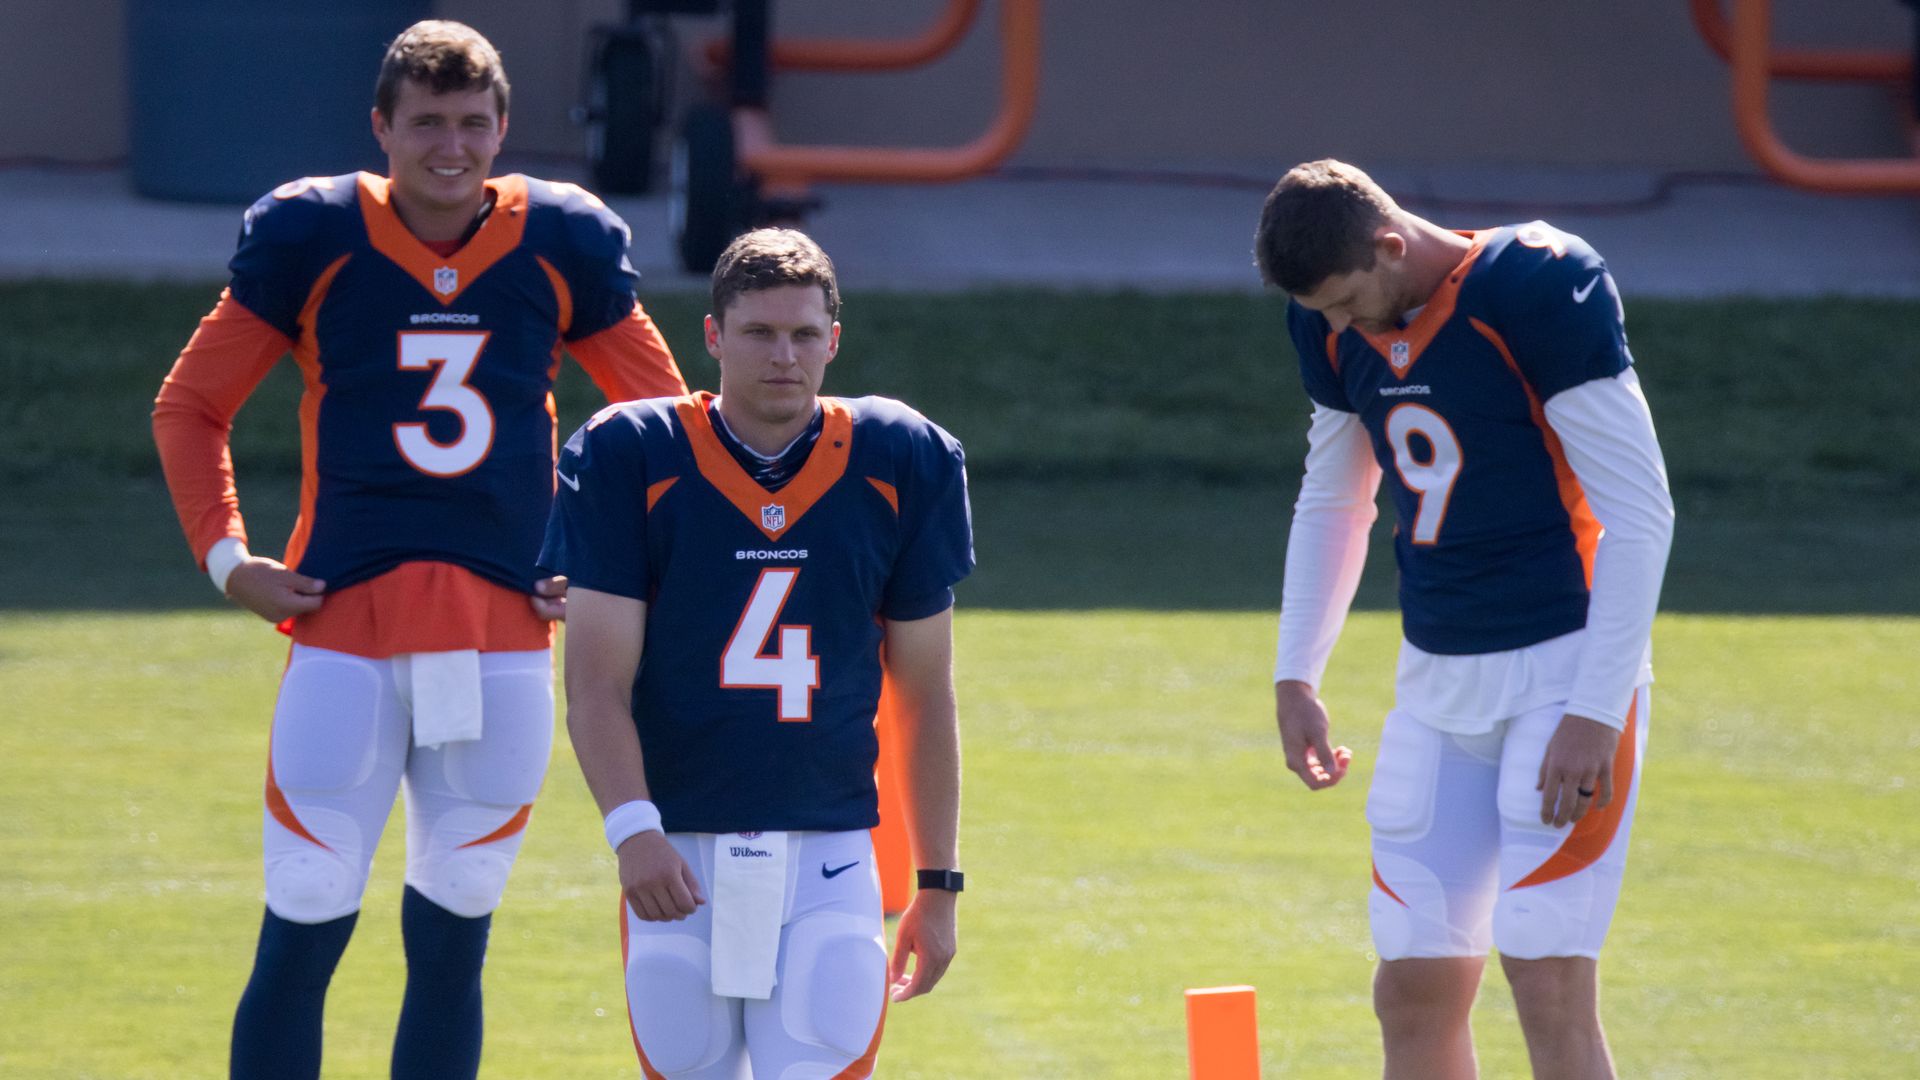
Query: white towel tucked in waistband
point(446, 696)
point(749, 898)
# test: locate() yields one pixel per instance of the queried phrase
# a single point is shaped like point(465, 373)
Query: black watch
point(950, 880)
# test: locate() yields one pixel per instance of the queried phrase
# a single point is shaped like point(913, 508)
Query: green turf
point(1116, 442)
point(1130, 830)
point(1768, 406)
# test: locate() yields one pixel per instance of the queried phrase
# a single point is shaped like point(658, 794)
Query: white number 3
point(1432, 479)
point(455, 354)
point(793, 671)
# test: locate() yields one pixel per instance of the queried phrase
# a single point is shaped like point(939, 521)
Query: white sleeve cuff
point(1612, 716)
point(226, 553)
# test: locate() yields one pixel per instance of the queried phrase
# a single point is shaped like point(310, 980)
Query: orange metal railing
point(841, 54)
point(1840, 65)
point(791, 167)
point(1755, 64)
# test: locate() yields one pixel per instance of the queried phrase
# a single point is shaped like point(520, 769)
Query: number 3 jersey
point(760, 674)
point(1495, 540)
point(427, 424)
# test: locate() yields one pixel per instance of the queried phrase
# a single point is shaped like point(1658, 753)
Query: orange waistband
point(424, 607)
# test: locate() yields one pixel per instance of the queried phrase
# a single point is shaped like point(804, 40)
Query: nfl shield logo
point(773, 516)
point(446, 280)
point(1399, 356)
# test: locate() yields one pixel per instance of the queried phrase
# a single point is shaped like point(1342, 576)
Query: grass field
point(1129, 828)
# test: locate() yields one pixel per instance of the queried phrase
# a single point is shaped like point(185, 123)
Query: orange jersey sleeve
point(193, 417)
point(630, 360)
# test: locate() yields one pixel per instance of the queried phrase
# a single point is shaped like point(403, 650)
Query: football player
point(427, 311)
point(1486, 376)
point(743, 568)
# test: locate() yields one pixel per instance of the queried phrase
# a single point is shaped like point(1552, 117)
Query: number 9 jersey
point(760, 672)
point(1495, 540)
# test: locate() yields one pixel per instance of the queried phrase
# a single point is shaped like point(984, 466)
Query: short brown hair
point(1318, 222)
point(768, 259)
point(442, 56)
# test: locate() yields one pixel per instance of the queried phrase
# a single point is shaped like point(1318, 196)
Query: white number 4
point(455, 354)
point(793, 671)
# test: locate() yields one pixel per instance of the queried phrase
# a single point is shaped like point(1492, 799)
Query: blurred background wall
point(1211, 83)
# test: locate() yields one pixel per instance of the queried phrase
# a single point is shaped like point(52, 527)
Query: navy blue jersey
point(760, 675)
point(1494, 539)
point(427, 424)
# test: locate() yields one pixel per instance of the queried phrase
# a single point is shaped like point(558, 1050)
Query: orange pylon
point(1223, 1034)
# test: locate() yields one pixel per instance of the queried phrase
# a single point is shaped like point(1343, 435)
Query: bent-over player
point(1486, 376)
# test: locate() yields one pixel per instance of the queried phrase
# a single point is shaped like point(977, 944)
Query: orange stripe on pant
point(282, 810)
point(1594, 833)
point(514, 824)
point(1382, 884)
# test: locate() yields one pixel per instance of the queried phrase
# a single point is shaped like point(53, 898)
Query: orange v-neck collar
point(445, 277)
point(774, 512)
point(1403, 348)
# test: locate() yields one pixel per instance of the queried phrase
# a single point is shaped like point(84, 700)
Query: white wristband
point(629, 820)
point(226, 553)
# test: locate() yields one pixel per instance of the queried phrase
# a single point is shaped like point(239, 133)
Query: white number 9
point(1432, 478)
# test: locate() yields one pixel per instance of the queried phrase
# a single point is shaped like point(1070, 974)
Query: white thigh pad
point(1405, 778)
point(833, 981)
point(507, 763)
point(1525, 749)
point(680, 1025)
point(326, 721)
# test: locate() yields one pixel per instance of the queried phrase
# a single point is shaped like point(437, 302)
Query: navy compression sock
point(440, 1020)
point(276, 1029)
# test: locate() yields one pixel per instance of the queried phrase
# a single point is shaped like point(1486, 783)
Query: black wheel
point(711, 205)
point(625, 99)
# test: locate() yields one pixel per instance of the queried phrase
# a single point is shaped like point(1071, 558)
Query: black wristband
point(950, 880)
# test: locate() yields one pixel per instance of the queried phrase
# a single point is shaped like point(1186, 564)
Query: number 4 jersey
point(1495, 540)
point(760, 674)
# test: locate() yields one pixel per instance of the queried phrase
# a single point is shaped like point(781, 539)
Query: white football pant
point(342, 745)
point(1460, 858)
point(823, 1020)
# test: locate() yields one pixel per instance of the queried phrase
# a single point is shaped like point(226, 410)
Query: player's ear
point(381, 129)
point(1389, 243)
point(713, 337)
point(833, 341)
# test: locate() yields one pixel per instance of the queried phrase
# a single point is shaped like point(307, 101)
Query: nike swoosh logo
point(567, 480)
point(838, 870)
point(1580, 295)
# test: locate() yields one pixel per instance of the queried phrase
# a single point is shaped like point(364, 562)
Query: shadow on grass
point(1067, 543)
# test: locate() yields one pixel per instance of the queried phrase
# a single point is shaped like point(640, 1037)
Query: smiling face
point(773, 346)
point(440, 150)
